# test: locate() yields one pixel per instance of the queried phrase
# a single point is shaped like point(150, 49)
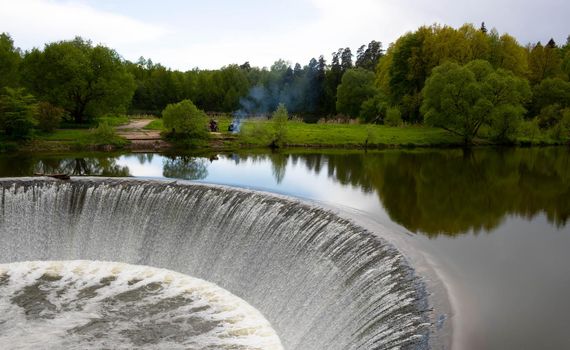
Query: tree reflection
point(26, 165)
point(455, 191)
point(429, 191)
point(278, 166)
point(185, 167)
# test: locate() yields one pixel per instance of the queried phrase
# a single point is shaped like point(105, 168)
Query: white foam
point(207, 317)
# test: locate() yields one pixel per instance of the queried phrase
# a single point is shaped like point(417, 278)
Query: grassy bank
point(258, 133)
point(96, 138)
point(300, 134)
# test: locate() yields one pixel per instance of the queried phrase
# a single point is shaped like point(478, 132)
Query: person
point(213, 125)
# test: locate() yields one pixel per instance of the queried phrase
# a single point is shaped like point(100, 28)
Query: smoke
point(299, 90)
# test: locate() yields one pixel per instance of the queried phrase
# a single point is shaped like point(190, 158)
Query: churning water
point(320, 281)
point(88, 304)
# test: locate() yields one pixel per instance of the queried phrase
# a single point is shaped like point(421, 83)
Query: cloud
point(217, 33)
point(32, 23)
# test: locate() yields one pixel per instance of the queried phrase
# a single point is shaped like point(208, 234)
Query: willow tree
point(461, 99)
point(402, 72)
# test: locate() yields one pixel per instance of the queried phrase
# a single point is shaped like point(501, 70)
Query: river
point(493, 223)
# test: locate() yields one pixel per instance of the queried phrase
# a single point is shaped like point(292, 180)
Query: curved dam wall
point(320, 280)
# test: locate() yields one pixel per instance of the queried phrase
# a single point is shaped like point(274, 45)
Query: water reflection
point(27, 165)
point(455, 191)
point(429, 191)
point(185, 167)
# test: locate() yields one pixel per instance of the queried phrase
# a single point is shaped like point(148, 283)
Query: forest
point(467, 80)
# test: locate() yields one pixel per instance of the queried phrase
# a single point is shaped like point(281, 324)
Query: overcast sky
point(210, 34)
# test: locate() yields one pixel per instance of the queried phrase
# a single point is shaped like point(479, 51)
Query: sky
point(210, 34)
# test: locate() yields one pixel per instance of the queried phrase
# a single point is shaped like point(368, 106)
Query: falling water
point(321, 281)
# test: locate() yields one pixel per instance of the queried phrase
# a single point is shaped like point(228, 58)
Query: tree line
point(463, 79)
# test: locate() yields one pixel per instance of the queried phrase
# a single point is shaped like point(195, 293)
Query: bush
point(529, 129)
point(561, 130)
point(183, 120)
point(393, 117)
point(373, 109)
point(49, 116)
point(549, 116)
point(279, 119)
point(17, 113)
point(105, 134)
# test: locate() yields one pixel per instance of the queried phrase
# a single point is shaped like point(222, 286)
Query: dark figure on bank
point(213, 125)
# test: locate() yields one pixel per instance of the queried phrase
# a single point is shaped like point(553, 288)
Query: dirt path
point(135, 124)
point(141, 139)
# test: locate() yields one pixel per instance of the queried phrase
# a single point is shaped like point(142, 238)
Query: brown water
point(494, 222)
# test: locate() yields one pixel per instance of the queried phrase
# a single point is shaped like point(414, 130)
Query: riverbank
point(142, 135)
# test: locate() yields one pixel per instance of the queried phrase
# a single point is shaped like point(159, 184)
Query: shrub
point(529, 129)
point(549, 116)
point(49, 116)
point(105, 134)
point(561, 130)
point(393, 117)
point(373, 109)
point(17, 113)
point(279, 119)
point(183, 120)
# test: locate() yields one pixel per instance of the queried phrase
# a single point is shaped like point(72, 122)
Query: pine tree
point(551, 44)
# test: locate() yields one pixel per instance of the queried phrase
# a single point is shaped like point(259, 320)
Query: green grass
point(65, 135)
point(113, 120)
point(156, 124)
point(348, 135)
point(78, 138)
point(259, 134)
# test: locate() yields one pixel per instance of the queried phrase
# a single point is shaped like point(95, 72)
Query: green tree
point(17, 112)
point(368, 57)
point(407, 73)
point(508, 54)
point(356, 87)
point(85, 80)
point(544, 62)
point(505, 122)
point(10, 58)
point(461, 99)
point(279, 120)
point(185, 121)
point(550, 92)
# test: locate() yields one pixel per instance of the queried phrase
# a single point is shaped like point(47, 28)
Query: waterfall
point(321, 281)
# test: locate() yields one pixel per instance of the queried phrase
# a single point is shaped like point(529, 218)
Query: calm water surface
point(494, 221)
